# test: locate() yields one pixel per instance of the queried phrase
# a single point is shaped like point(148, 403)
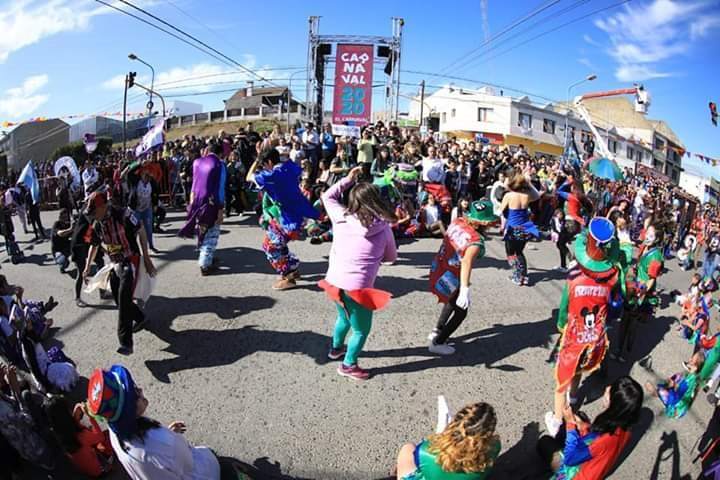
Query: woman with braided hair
point(465, 450)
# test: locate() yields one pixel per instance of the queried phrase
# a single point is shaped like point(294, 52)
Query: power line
point(563, 25)
point(164, 31)
point(503, 32)
point(231, 60)
point(196, 20)
point(531, 27)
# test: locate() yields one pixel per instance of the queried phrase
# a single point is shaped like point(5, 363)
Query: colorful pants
point(208, 246)
point(275, 246)
point(355, 316)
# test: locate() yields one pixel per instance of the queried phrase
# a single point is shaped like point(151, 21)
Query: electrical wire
point(164, 30)
point(503, 32)
point(214, 50)
point(552, 30)
point(552, 16)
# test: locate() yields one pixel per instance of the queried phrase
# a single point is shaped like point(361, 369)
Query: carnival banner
point(352, 97)
point(345, 131)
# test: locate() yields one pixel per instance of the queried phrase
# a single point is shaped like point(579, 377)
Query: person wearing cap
point(146, 449)
point(119, 231)
point(451, 270)
point(206, 207)
point(582, 313)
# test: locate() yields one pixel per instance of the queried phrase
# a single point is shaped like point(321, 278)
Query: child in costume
point(465, 450)
point(362, 240)
point(279, 181)
point(678, 392)
point(583, 313)
point(590, 450)
point(640, 292)
point(451, 270)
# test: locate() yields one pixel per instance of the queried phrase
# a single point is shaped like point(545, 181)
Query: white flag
point(154, 137)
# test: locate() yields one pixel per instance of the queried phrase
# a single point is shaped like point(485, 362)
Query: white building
point(179, 108)
point(707, 190)
point(513, 121)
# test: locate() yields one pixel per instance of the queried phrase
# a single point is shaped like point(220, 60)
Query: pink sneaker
point(353, 371)
point(337, 354)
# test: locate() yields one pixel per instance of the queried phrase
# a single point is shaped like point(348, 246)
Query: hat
point(112, 395)
point(481, 212)
point(596, 248)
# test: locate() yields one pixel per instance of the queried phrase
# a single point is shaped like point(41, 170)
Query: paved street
point(245, 366)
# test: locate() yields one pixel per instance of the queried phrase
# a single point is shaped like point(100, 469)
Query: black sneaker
point(123, 350)
point(712, 399)
point(208, 271)
point(140, 325)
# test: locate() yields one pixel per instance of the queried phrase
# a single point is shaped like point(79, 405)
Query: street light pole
point(588, 78)
point(125, 116)
point(150, 105)
point(290, 96)
point(422, 101)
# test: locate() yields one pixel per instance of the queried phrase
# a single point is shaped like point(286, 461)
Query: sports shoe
point(353, 371)
point(572, 264)
point(525, 281)
point(284, 284)
point(712, 399)
point(433, 335)
point(441, 348)
point(123, 350)
point(80, 303)
point(337, 353)
point(208, 270)
point(514, 280)
point(560, 269)
point(140, 325)
point(552, 424)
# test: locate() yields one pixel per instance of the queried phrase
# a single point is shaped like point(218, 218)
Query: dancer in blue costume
point(518, 226)
point(280, 182)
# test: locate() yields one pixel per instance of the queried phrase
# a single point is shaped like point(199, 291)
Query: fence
point(297, 112)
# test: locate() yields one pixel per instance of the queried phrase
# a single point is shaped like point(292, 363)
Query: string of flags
point(703, 158)
point(133, 115)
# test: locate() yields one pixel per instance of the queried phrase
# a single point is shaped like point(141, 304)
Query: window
point(452, 113)
point(639, 155)
point(525, 120)
point(548, 125)
point(444, 117)
point(659, 143)
point(612, 145)
point(629, 152)
point(483, 114)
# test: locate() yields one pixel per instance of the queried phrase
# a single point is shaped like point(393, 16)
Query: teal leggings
point(357, 317)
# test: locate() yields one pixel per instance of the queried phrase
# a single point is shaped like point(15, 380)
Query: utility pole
point(125, 117)
point(422, 102)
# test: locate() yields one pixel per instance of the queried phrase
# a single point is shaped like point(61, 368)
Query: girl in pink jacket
point(362, 240)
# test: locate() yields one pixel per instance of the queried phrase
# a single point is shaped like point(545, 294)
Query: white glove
point(463, 299)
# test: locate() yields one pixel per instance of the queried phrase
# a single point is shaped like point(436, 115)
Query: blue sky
point(60, 57)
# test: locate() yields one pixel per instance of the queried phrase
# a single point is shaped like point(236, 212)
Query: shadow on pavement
point(484, 347)
point(520, 461)
point(669, 450)
point(211, 348)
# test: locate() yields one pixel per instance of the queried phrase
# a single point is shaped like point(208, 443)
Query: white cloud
point(26, 22)
point(643, 37)
point(587, 63)
point(201, 77)
point(637, 73)
point(25, 99)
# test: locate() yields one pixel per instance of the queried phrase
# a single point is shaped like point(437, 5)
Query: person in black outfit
point(33, 214)
point(118, 230)
point(60, 242)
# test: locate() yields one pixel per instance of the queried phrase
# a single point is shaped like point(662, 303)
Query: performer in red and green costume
point(640, 291)
point(451, 269)
point(583, 311)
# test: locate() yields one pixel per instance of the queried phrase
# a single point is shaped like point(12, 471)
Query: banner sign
point(154, 137)
point(346, 131)
point(353, 84)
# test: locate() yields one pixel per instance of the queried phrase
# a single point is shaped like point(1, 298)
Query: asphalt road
point(244, 366)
